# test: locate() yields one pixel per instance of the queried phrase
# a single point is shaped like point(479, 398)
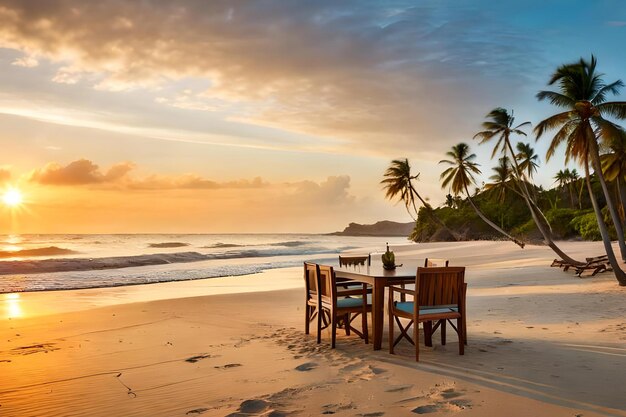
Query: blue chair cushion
point(407, 307)
point(352, 302)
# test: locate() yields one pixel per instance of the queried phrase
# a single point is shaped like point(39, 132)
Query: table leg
point(378, 302)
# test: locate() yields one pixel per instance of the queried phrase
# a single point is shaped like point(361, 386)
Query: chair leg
point(364, 325)
point(346, 323)
point(333, 330)
point(461, 331)
point(464, 330)
point(443, 332)
point(428, 333)
point(416, 337)
point(391, 326)
point(307, 318)
point(320, 313)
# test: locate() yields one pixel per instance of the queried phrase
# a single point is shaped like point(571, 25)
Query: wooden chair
point(365, 260)
point(339, 306)
point(438, 295)
point(428, 327)
point(312, 295)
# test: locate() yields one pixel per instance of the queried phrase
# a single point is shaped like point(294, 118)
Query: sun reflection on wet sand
point(11, 306)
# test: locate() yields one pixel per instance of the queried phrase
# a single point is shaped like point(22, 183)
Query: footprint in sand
point(197, 358)
point(228, 366)
point(426, 409)
point(38, 348)
point(306, 366)
point(196, 411)
point(399, 388)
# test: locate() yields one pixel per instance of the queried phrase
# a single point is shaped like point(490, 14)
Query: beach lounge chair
point(438, 295)
point(346, 305)
point(595, 264)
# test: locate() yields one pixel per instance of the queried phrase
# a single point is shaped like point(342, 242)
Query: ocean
point(58, 262)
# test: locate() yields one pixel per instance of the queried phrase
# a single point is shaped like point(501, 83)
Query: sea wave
point(47, 251)
point(290, 243)
point(220, 245)
point(116, 262)
point(163, 245)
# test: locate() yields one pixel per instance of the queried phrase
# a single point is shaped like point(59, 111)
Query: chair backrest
point(435, 262)
point(310, 280)
point(439, 285)
point(355, 260)
point(328, 283)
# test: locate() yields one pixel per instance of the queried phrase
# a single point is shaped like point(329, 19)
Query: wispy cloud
point(385, 75)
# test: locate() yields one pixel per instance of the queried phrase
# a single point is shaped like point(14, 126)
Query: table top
point(376, 270)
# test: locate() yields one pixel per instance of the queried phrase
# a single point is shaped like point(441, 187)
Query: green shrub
point(561, 221)
point(587, 226)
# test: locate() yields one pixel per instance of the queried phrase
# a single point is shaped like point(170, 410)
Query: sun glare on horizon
point(12, 197)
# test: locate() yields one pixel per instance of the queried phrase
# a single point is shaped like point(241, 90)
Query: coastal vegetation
point(511, 206)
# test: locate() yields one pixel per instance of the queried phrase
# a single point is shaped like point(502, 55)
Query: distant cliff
point(382, 228)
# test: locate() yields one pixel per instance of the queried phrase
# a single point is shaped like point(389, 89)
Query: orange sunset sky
point(262, 116)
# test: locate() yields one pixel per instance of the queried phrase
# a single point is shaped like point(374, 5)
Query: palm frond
point(557, 99)
point(615, 109)
point(612, 88)
point(552, 122)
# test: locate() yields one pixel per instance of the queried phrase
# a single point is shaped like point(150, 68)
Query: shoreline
point(236, 345)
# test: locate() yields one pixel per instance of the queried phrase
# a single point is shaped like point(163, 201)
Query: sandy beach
point(542, 342)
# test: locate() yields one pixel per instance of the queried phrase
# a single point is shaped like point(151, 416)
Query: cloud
point(86, 172)
point(616, 23)
point(333, 190)
point(190, 182)
point(80, 172)
point(26, 62)
point(382, 74)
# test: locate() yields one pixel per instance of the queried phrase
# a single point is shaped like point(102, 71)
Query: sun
point(12, 197)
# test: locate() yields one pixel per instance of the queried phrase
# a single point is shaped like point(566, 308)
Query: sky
point(266, 116)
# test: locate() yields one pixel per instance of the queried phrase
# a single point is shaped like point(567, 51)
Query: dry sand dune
point(541, 343)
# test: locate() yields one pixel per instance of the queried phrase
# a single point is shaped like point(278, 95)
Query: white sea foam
point(87, 261)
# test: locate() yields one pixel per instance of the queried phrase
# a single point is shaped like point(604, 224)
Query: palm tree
point(500, 124)
point(501, 179)
point(527, 158)
point(583, 93)
point(563, 179)
point(614, 168)
point(460, 175)
point(398, 183)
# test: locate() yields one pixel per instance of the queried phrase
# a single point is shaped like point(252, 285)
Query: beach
point(541, 342)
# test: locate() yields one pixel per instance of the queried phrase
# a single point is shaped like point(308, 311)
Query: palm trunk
point(490, 223)
point(617, 270)
point(437, 220)
point(536, 213)
point(595, 156)
point(571, 194)
point(621, 188)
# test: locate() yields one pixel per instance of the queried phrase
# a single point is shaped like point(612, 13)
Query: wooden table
point(379, 278)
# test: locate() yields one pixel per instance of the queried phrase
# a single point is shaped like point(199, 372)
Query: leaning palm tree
point(582, 92)
point(398, 183)
point(460, 175)
point(501, 125)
